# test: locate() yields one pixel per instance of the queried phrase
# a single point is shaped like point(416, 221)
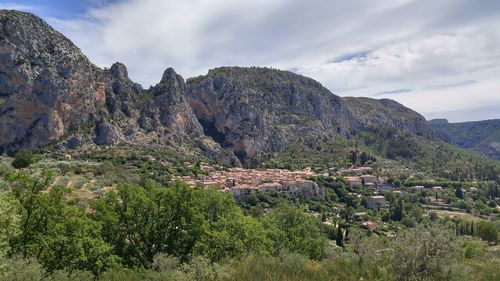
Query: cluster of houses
point(245, 182)
point(242, 183)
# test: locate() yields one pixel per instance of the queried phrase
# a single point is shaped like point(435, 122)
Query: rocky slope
point(46, 84)
point(479, 136)
point(254, 111)
point(373, 113)
point(51, 93)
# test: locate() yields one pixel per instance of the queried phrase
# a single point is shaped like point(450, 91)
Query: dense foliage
point(146, 230)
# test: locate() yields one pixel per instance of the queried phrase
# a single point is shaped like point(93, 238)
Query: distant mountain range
point(478, 136)
point(52, 95)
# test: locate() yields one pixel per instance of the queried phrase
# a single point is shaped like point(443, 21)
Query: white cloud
point(417, 52)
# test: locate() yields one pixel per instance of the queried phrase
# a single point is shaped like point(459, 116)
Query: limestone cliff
point(255, 111)
point(46, 84)
point(50, 93)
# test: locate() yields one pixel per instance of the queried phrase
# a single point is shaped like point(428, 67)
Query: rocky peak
point(119, 71)
point(51, 86)
point(170, 76)
point(50, 93)
point(438, 121)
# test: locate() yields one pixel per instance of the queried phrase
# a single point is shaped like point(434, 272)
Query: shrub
point(474, 248)
point(487, 231)
point(419, 254)
point(22, 159)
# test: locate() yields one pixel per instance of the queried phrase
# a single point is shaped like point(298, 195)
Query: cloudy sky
point(439, 57)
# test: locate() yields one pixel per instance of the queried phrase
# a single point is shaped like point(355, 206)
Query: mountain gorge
point(51, 94)
point(478, 136)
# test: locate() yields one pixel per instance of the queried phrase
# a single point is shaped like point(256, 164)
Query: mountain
point(373, 113)
point(255, 111)
point(51, 93)
point(52, 96)
point(478, 136)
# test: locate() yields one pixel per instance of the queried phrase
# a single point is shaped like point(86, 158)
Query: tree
point(229, 232)
point(340, 237)
point(141, 223)
point(22, 159)
point(418, 254)
point(363, 158)
point(487, 231)
point(459, 193)
point(398, 210)
point(291, 229)
point(10, 221)
point(59, 234)
point(354, 157)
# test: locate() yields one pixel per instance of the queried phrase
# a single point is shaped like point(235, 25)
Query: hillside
point(479, 136)
point(375, 113)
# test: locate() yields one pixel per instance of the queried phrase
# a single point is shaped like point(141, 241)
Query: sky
point(440, 58)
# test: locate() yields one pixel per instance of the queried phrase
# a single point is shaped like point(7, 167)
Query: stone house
point(375, 202)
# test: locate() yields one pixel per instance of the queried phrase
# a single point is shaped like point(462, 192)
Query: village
point(241, 183)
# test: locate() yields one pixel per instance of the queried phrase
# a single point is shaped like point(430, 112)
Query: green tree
point(340, 237)
point(140, 223)
point(10, 221)
point(487, 231)
point(59, 234)
point(459, 193)
point(229, 233)
point(291, 229)
point(363, 158)
point(418, 254)
point(354, 157)
point(22, 159)
point(398, 210)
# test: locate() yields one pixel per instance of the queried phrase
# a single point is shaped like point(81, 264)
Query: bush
point(22, 159)
point(17, 269)
point(419, 254)
point(474, 248)
point(487, 231)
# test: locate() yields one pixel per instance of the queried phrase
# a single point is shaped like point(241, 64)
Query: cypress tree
point(340, 237)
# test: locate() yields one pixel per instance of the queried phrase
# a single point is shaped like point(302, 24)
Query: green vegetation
point(478, 136)
point(22, 160)
point(127, 218)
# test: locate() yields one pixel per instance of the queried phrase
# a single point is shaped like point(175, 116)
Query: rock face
point(51, 94)
point(46, 84)
point(478, 136)
point(373, 113)
point(254, 111)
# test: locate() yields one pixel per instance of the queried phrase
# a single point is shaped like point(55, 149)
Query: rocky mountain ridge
point(51, 94)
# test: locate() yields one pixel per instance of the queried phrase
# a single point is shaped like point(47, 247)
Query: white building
point(375, 202)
